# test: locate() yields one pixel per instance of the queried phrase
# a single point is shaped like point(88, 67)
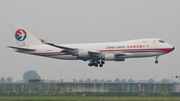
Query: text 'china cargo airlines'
point(95, 53)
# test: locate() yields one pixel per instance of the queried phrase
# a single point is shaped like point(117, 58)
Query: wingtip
point(8, 46)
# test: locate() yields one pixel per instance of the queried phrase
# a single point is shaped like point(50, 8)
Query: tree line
point(32, 74)
point(6, 80)
point(117, 80)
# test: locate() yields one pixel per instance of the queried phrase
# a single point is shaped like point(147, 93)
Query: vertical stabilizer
point(22, 36)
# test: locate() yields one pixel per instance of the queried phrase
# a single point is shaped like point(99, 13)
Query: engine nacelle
point(119, 59)
point(109, 57)
point(112, 57)
point(83, 54)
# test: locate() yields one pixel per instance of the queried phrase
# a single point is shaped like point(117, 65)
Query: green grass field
point(89, 99)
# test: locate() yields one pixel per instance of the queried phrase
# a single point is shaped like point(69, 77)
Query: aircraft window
point(161, 41)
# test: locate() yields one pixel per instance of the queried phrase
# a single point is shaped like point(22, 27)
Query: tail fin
point(22, 36)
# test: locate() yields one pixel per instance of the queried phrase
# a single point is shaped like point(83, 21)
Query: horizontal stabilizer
point(22, 49)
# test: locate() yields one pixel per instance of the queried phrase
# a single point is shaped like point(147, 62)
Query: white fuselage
point(132, 49)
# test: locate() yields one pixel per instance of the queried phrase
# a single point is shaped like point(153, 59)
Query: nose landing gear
point(156, 61)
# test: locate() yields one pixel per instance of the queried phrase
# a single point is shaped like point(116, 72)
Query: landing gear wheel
point(90, 64)
point(156, 61)
point(101, 65)
point(96, 65)
point(102, 62)
point(97, 62)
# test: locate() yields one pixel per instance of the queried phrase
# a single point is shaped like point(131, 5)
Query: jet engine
point(119, 59)
point(112, 57)
point(83, 54)
point(109, 57)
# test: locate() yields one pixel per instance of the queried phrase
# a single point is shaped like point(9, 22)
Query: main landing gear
point(156, 61)
point(96, 63)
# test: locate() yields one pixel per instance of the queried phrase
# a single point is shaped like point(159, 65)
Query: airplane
point(95, 53)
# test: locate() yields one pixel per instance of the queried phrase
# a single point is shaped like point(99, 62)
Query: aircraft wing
point(93, 53)
point(21, 49)
point(69, 49)
point(72, 50)
point(62, 47)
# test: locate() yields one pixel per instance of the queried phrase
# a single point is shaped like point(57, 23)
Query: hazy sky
point(83, 21)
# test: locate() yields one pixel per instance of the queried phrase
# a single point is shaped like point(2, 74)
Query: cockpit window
point(161, 41)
